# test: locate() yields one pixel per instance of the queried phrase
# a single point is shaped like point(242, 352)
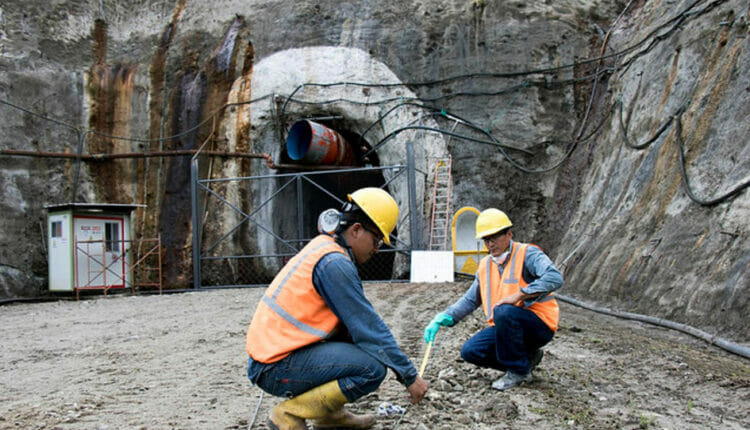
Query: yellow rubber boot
point(338, 416)
point(324, 403)
point(282, 418)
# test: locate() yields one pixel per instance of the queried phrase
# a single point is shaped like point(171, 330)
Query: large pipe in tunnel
point(311, 143)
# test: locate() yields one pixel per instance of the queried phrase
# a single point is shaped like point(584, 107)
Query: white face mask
point(500, 259)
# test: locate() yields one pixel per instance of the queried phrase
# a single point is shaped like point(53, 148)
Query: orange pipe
point(312, 143)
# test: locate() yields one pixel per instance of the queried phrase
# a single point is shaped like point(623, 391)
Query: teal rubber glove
point(440, 319)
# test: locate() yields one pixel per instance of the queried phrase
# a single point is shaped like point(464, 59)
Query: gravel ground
point(177, 361)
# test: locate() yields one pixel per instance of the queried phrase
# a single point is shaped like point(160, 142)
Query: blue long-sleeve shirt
point(336, 280)
point(538, 271)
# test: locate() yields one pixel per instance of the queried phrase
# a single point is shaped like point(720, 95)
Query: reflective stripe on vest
point(291, 313)
point(496, 283)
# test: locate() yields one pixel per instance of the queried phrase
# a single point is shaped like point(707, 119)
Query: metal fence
point(247, 228)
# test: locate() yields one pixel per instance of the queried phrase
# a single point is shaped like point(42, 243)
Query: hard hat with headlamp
point(369, 205)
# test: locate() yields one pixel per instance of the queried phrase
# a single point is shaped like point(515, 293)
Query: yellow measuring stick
point(424, 360)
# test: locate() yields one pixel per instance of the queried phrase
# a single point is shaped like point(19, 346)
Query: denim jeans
point(517, 334)
point(358, 373)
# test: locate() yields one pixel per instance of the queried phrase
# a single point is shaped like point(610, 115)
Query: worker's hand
point(510, 300)
point(431, 331)
point(516, 299)
point(417, 390)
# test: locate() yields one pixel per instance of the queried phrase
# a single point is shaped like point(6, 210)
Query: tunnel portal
point(316, 146)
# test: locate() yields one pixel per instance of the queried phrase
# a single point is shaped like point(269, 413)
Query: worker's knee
point(471, 352)
point(371, 375)
point(364, 382)
point(505, 314)
point(468, 354)
point(378, 373)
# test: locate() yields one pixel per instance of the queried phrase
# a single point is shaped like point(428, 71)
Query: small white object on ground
point(387, 409)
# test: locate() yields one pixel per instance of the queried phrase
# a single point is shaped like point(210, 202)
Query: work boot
point(282, 417)
point(324, 403)
point(510, 380)
point(344, 419)
point(535, 358)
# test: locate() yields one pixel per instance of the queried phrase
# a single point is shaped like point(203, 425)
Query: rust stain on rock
point(243, 144)
point(622, 274)
point(100, 42)
point(658, 114)
point(699, 242)
point(242, 125)
point(149, 171)
point(220, 74)
point(661, 170)
point(110, 88)
point(174, 206)
point(711, 88)
point(664, 169)
point(196, 108)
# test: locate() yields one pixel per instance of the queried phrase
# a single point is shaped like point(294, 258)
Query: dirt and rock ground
point(176, 361)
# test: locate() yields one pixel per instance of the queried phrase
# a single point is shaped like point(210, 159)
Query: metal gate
point(247, 228)
point(104, 264)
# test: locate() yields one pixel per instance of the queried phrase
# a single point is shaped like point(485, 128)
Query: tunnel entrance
point(316, 146)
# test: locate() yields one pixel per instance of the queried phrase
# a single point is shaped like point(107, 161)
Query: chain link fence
point(249, 227)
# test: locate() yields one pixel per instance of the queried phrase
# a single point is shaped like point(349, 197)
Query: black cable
point(38, 115)
point(676, 118)
point(505, 154)
point(135, 139)
point(443, 113)
point(700, 334)
point(685, 182)
point(461, 77)
point(208, 118)
point(541, 83)
point(438, 130)
point(662, 128)
point(676, 21)
point(572, 148)
point(486, 132)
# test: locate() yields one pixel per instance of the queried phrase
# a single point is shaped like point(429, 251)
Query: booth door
point(99, 252)
point(466, 248)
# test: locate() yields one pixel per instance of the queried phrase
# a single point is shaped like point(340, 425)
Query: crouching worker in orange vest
point(316, 338)
point(513, 285)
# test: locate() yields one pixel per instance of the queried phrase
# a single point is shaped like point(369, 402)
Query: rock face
point(589, 167)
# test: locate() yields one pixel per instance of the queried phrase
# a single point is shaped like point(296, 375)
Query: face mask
point(499, 260)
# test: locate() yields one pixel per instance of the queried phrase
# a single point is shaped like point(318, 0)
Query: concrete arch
point(277, 76)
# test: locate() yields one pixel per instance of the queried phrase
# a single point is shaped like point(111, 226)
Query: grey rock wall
point(616, 218)
point(637, 241)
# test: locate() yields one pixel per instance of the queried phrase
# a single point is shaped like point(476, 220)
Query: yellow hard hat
point(490, 221)
point(379, 206)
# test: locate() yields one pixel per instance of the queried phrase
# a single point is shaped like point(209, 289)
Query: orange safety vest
point(493, 287)
point(291, 313)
